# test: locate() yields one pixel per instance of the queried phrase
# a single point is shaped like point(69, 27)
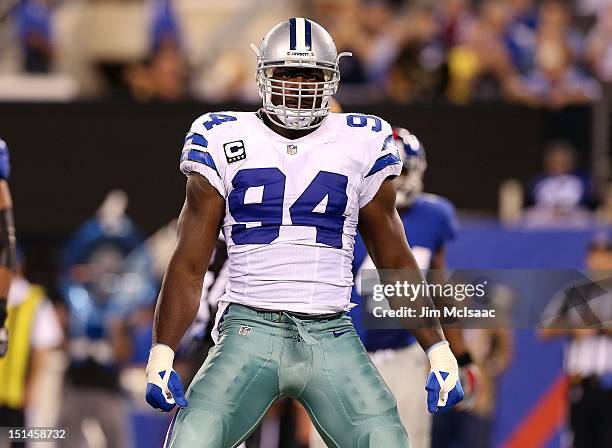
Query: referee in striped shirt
point(583, 314)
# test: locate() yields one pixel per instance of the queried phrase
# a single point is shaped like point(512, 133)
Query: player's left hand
point(164, 386)
point(443, 386)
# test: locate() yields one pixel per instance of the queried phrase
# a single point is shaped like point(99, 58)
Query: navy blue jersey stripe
point(292, 34)
point(196, 139)
point(383, 162)
point(308, 33)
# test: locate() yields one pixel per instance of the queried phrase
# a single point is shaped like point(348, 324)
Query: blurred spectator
point(344, 21)
point(521, 34)
point(33, 20)
point(168, 69)
point(456, 19)
point(229, 79)
point(163, 77)
point(419, 70)
point(584, 316)
point(555, 17)
point(599, 45)
point(585, 12)
point(556, 80)
point(382, 32)
point(562, 194)
point(168, 74)
point(165, 30)
point(106, 275)
point(481, 68)
point(35, 332)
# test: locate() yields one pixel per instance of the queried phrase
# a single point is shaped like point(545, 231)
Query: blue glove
point(164, 386)
point(443, 386)
point(5, 162)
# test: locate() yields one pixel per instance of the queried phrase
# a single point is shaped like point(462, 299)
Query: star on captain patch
point(292, 150)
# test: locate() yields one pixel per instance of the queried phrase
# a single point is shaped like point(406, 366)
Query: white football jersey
point(291, 205)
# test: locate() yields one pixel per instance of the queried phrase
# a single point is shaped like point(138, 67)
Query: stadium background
point(97, 95)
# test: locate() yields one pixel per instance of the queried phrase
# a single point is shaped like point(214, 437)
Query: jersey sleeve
point(383, 162)
point(201, 155)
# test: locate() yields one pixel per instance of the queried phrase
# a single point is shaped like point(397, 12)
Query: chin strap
point(277, 115)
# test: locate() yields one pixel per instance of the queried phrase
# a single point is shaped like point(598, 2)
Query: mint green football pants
point(262, 356)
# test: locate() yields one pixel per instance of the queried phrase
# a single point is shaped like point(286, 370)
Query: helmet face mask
point(297, 73)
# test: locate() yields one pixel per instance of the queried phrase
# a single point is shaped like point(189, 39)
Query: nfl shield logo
point(245, 330)
point(292, 150)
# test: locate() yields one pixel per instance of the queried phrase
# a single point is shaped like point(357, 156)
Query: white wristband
point(160, 358)
point(441, 356)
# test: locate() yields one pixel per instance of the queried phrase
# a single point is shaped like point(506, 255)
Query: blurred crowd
point(550, 52)
point(532, 52)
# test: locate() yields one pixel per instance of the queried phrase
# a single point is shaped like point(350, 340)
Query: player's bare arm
point(469, 370)
point(179, 299)
point(198, 229)
point(383, 233)
point(438, 275)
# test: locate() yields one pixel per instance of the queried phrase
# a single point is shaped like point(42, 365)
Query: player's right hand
point(443, 386)
point(164, 386)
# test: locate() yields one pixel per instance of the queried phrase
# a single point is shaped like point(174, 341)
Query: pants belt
point(303, 316)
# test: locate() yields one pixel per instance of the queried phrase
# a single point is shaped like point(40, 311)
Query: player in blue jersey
point(288, 186)
point(429, 223)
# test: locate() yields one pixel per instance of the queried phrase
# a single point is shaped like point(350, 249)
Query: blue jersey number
point(321, 205)
point(360, 121)
point(217, 119)
point(268, 212)
point(330, 222)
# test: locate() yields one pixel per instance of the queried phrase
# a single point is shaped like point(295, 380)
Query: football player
point(7, 243)
point(429, 223)
point(288, 185)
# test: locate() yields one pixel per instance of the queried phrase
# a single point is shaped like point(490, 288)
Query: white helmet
point(409, 184)
point(297, 42)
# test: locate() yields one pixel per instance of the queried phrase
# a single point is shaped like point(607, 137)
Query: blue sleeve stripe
point(204, 158)
point(383, 162)
point(197, 139)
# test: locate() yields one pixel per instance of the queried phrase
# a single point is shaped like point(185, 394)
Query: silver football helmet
point(409, 184)
point(297, 42)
